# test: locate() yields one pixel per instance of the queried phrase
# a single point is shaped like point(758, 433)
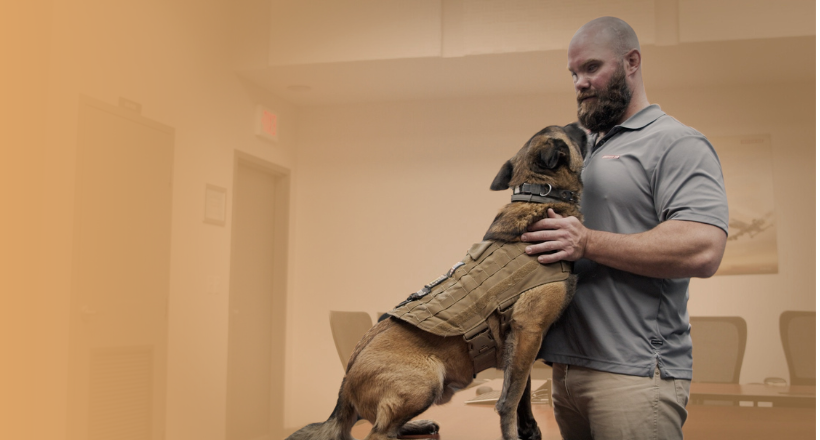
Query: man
point(655, 214)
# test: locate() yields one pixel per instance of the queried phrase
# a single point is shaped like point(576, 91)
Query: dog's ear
point(557, 151)
point(502, 180)
point(578, 135)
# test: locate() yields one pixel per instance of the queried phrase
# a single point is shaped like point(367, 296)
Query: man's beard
point(604, 112)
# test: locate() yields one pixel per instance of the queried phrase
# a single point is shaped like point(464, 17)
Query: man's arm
point(673, 249)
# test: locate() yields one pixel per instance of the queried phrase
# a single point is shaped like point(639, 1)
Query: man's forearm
point(673, 249)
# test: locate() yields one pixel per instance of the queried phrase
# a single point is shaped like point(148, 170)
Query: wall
point(332, 31)
point(391, 195)
point(27, 314)
point(173, 57)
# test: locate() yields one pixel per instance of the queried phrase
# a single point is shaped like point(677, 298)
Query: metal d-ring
point(548, 191)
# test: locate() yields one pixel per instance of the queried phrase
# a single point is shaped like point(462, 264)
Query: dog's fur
point(397, 371)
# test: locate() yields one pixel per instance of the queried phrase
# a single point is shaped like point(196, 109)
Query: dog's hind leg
point(396, 409)
point(419, 429)
point(393, 416)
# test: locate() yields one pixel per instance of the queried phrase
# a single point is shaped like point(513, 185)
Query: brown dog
point(437, 340)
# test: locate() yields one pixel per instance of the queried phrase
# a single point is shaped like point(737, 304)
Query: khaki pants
point(591, 404)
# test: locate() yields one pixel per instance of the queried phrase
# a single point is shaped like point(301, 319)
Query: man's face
point(600, 110)
point(600, 84)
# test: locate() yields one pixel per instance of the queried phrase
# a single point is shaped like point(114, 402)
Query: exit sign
point(267, 124)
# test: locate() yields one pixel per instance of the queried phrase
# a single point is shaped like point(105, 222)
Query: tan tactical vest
point(492, 278)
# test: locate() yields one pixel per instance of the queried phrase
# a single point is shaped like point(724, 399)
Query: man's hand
point(567, 237)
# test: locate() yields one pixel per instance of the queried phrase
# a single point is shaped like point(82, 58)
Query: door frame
point(282, 179)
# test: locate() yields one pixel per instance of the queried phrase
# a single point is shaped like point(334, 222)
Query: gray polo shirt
point(645, 171)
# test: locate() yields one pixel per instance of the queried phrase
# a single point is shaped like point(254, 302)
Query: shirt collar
point(644, 117)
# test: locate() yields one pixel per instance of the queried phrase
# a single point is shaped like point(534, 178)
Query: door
point(120, 275)
point(256, 304)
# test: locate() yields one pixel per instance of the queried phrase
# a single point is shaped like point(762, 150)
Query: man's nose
point(581, 83)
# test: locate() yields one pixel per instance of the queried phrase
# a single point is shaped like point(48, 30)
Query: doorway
point(120, 275)
point(256, 335)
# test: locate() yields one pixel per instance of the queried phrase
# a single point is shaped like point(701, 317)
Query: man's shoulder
point(668, 125)
point(668, 132)
point(653, 121)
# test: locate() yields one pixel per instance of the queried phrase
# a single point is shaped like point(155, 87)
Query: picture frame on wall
point(751, 247)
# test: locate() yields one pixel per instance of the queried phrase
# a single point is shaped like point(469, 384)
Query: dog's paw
point(419, 429)
point(530, 431)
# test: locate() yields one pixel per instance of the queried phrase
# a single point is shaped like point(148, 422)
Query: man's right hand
point(556, 238)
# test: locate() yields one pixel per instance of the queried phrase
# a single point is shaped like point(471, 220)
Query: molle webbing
point(492, 278)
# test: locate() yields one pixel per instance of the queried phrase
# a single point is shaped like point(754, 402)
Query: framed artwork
point(747, 173)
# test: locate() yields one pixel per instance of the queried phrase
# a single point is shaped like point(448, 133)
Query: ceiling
point(334, 61)
point(727, 63)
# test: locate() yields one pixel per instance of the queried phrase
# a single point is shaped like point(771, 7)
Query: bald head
point(610, 32)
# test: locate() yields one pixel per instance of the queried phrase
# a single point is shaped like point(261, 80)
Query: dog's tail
point(337, 426)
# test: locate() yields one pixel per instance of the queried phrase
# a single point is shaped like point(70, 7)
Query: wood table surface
point(462, 421)
point(754, 394)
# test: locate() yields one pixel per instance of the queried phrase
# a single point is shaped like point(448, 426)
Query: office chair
point(798, 336)
point(347, 329)
point(718, 345)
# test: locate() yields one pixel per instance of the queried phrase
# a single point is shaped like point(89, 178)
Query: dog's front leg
point(521, 349)
point(527, 427)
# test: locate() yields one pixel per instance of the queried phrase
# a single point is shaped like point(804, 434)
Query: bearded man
point(655, 214)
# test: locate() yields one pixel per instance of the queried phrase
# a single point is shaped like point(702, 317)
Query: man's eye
point(592, 68)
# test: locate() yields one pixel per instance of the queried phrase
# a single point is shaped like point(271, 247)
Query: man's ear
point(577, 135)
point(632, 61)
point(502, 180)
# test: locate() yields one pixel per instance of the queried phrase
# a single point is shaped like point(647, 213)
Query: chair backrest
point(348, 328)
point(718, 345)
point(798, 336)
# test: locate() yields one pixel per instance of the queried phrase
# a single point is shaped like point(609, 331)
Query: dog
point(435, 342)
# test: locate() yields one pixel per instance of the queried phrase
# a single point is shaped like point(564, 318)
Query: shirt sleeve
point(688, 184)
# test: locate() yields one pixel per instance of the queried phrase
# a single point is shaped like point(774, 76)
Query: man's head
point(604, 59)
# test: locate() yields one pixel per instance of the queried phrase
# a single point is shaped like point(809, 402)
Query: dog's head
point(554, 156)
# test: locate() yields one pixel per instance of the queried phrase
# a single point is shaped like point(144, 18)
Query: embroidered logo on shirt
point(609, 156)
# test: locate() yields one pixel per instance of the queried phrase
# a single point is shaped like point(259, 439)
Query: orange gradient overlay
point(167, 273)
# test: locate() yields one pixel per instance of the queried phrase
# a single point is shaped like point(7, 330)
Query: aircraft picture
point(747, 171)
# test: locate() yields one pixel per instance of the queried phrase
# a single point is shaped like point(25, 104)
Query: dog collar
point(538, 193)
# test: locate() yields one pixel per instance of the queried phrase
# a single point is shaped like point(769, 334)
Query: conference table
point(755, 394)
point(741, 412)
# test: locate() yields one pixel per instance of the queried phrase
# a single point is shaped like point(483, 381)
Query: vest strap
point(482, 347)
